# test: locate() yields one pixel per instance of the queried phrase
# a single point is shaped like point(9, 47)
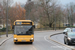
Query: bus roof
point(23, 20)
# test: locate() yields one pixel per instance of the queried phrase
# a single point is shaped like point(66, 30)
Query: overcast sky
point(20, 1)
point(63, 2)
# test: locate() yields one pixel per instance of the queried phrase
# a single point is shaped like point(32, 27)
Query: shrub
point(3, 29)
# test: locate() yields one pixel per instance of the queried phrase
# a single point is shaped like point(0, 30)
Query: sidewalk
point(3, 38)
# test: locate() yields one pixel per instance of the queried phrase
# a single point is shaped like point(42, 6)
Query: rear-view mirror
point(34, 26)
point(64, 32)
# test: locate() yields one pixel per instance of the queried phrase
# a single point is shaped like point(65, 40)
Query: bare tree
point(48, 9)
point(70, 13)
point(29, 6)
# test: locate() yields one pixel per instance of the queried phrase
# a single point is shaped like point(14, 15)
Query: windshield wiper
point(23, 34)
point(18, 34)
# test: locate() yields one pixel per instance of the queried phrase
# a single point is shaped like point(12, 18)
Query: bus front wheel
point(31, 42)
point(15, 42)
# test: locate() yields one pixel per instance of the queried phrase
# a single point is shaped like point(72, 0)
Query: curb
point(5, 40)
point(59, 42)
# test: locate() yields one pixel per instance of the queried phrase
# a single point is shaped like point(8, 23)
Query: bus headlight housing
point(32, 39)
point(15, 38)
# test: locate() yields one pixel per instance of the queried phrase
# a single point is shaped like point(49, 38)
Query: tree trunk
point(50, 25)
point(59, 24)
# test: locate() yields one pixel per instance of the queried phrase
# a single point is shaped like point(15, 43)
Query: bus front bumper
point(23, 40)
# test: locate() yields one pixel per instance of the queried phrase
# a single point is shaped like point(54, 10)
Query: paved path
point(41, 42)
point(3, 37)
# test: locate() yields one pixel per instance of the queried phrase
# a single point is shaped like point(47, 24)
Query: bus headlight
point(15, 38)
point(32, 39)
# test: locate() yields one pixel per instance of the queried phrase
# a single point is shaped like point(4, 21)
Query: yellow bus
point(23, 31)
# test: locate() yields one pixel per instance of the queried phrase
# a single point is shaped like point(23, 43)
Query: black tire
point(15, 42)
point(67, 42)
point(64, 41)
point(31, 42)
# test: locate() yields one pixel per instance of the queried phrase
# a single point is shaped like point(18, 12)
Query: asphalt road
point(41, 42)
point(60, 38)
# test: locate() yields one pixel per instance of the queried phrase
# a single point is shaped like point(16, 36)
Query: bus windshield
point(23, 30)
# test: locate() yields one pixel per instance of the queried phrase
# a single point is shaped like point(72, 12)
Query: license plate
point(23, 40)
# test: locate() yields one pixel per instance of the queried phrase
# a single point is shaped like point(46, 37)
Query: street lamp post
point(55, 20)
point(54, 17)
point(7, 20)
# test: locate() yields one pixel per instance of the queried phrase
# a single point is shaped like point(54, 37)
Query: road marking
point(5, 40)
point(51, 42)
point(34, 48)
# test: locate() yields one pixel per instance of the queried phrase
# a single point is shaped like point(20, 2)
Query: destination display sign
point(23, 23)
